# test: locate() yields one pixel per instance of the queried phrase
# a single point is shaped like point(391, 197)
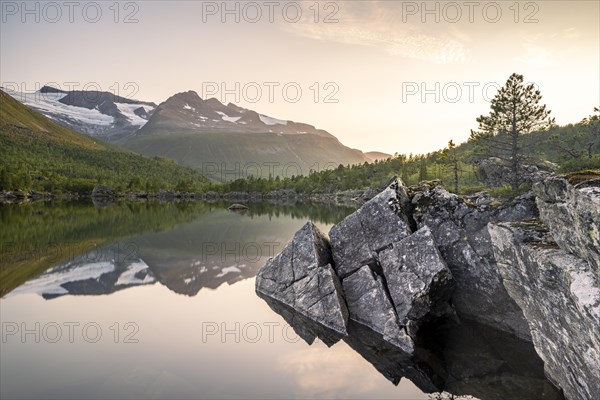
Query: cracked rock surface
point(550, 269)
point(302, 278)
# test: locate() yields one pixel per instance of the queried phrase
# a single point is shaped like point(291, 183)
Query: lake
point(157, 300)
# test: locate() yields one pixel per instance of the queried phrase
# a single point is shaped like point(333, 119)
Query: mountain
point(226, 142)
point(188, 112)
point(39, 154)
point(98, 114)
point(377, 156)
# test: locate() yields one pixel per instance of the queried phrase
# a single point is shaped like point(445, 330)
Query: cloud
point(378, 25)
point(327, 372)
point(535, 50)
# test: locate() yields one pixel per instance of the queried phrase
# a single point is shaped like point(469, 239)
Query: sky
point(391, 76)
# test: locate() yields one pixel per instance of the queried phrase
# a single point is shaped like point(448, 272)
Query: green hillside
point(36, 154)
point(228, 156)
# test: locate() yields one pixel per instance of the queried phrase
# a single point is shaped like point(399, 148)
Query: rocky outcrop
point(413, 260)
point(494, 172)
point(459, 226)
point(560, 298)
point(550, 268)
point(392, 280)
point(572, 212)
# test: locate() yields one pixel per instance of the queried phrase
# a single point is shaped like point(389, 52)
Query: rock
point(369, 304)
point(419, 282)
point(459, 227)
point(494, 172)
point(379, 235)
point(559, 294)
point(101, 191)
point(572, 212)
point(358, 238)
point(302, 278)
point(103, 196)
point(237, 207)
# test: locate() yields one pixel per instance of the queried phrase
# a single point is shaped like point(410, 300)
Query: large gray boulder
point(357, 239)
point(572, 212)
point(402, 280)
point(559, 294)
point(302, 278)
point(459, 227)
point(369, 246)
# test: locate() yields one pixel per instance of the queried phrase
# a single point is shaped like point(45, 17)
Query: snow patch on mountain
point(265, 119)
point(227, 118)
point(49, 105)
point(128, 111)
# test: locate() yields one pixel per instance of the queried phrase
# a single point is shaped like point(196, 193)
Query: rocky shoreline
point(105, 194)
point(412, 258)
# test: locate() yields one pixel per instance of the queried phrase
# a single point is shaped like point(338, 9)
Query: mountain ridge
point(187, 111)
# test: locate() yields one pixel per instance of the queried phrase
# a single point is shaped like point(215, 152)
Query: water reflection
point(185, 246)
point(458, 358)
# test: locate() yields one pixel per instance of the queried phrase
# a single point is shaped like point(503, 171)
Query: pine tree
point(451, 158)
point(515, 111)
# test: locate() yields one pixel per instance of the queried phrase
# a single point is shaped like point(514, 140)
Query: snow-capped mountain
point(188, 112)
point(98, 114)
point(196, 132)
point(200, 133)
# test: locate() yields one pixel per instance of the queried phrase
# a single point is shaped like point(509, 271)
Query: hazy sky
point(394, 76)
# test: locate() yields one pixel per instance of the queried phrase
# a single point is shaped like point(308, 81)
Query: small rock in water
point(237, 207)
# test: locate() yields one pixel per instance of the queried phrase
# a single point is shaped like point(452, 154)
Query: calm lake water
point(148, 300)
